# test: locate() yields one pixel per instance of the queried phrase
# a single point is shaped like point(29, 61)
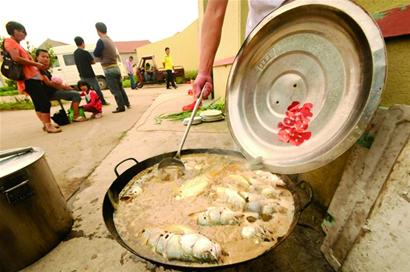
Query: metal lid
point(305, 84)
point(12, 160)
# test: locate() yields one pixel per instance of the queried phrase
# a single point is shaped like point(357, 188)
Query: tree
point(53, 56)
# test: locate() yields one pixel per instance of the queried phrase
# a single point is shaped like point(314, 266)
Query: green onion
point(217, 104)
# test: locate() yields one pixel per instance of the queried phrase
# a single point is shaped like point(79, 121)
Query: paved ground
point(90, 247)
point(74, 153)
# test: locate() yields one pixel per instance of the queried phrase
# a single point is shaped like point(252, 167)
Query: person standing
point(106, 52)
point(33, 81)
point(83, 60)
point(130, 69)
point(169, 67)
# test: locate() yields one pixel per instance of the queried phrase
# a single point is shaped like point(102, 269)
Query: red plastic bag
point(190, 107)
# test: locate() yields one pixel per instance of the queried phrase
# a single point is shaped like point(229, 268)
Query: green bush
point(126, 83)
point(23, 104)
point(180, 80)
point(191, 74)
point(11, 83)
point(8, 90)
point(18, 104)
point(9, 93)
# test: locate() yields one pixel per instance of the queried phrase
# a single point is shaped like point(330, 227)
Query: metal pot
point(112, 197)
point(329, 55)
point(34, 215)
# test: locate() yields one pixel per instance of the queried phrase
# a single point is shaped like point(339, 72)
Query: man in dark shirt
point(83, 60)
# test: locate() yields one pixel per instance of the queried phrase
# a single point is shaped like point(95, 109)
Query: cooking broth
point(261, 207)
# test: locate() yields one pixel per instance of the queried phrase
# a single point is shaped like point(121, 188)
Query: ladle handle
point(198, 101)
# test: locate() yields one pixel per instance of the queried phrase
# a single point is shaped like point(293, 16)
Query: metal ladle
point(176, 161)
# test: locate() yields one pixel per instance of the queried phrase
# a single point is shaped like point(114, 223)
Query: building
point(50, 43)
point(184, 48)
point(127, 48)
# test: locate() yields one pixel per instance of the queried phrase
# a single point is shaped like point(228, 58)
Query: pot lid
point(12, 160)
point(305, 84)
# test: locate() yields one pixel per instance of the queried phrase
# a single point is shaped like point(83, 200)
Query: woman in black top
point(56, 89)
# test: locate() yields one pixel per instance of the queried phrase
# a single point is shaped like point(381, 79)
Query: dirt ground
point(74, 153)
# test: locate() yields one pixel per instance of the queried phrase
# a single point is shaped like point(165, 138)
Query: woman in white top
point(211, 35)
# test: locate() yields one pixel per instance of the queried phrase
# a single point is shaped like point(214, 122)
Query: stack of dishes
point(197, 120)
point(211, 115)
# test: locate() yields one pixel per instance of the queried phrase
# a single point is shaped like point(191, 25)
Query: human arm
point(15, 55)
point(91, 59)
point(99, 49)
point(55, 85)
point(210, 37)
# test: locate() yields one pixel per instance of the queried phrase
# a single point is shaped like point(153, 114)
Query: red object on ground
point(293, 128)
point(190, 107)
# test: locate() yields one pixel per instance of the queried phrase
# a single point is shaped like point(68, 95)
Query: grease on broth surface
point(243, 212)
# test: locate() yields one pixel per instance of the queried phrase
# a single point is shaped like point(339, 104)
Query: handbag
point(10, 68)
point(61, 117)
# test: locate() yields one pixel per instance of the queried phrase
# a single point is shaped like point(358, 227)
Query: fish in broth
point(225, 211)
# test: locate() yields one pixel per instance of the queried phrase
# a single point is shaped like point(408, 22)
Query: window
point(69, 59)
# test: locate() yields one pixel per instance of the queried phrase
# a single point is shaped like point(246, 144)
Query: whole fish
point(218, 216)
point(191, 247)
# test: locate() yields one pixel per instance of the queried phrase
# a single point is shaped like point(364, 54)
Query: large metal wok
point(111, 200)
point(328, 54)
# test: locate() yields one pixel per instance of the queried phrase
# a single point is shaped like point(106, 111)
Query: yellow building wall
point(183, 45)
point(231, 31)
point(373, 6)
point(233, 35)
point(221, 74)
point(326, 179)
point(397, 90)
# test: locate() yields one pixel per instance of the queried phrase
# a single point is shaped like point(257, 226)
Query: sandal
point(49, 128)
point(54, 125)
